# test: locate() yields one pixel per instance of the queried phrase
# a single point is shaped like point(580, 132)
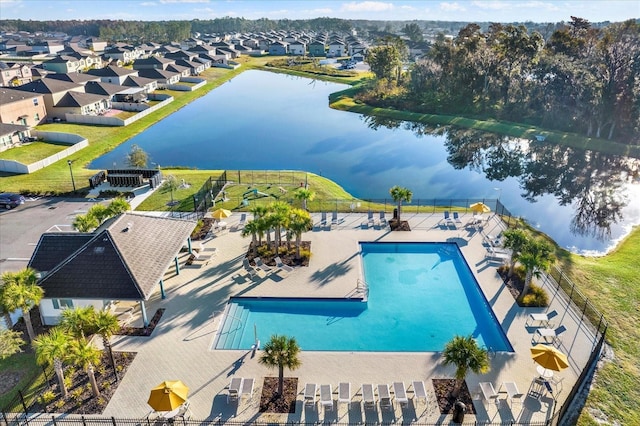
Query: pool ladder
point(362, 289)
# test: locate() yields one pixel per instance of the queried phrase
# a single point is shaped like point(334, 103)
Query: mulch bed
point(270, 402)
point(80, 399)
point(200, 234)
point(402, 226)
point(142, 331)
point(288, 257)
point(513, 283)
point(443, 389)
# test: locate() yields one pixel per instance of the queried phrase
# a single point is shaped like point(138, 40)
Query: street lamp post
point(73, 182)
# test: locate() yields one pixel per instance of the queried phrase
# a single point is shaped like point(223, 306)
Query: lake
point(266, 121)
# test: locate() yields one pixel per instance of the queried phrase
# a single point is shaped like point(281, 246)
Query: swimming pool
point(420, 296)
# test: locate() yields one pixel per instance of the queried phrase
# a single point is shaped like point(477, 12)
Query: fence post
point(22, 401)
point(84, 423)
point(53, 419)
point(113, 420)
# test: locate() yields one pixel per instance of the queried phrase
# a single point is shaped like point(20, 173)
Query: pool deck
point(180, 346)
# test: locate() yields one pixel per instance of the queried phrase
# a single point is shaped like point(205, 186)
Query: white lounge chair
point(400, 394)
point(384, 396)
point(250, 269)
point(247, 387)
point(326, 399)
point(543, 319)
point(456, 218)
point(550, 333)
point(234, 389)
point(280, 265)
point(310, 390)
point(334, 219)
point(323, 220)
point(368, 397)
point(261, 265)
point(497, 254)
point(512, 392)
point(383, 220)
point(242, 221)
point(493, 240)
point(419, 390)
point(344, 392)
point(370, 220)
point(489, 392)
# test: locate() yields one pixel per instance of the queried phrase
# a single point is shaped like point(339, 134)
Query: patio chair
point(400, 394)
point(549, 333)
point(185, 410)
point(383, 220)
point(326, 399)
point(419, 390)
point(334, 219)
point(368, 397)
point(456, 218)
point(310, 390)
point(497, 255)
point(280, 265)
point(446, 217)
point(513, 393)
point(261, 265)
point(234, 389)
point(344, 392)
point(250, 269)
point(370, 220)
point(247, 388)
point(323, 220)
point(384, 396)
point(489, 392)
point(544, 319)
point(241, 222)
point(493, 240)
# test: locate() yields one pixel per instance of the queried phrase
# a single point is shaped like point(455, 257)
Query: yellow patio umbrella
point(480, 208)
point(221, 214)
point(168, 396)
point(549, 357)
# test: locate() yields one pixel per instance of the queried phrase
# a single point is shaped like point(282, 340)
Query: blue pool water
point(420, 296)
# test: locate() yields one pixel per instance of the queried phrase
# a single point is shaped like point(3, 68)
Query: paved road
point(20, 228)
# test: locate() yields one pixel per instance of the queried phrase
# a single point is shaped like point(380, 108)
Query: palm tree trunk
point(298, 244)
point(527, 281)
point(57, 366)
point(27, 321)
point(7, 320)
point(512, 266)
point(280, 379)
point(92, 380)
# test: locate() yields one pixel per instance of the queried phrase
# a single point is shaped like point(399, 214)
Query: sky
point(460, 10)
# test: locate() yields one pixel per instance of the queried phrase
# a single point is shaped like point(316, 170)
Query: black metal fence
point(112, 421)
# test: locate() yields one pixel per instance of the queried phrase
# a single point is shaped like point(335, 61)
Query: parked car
point(9, 200)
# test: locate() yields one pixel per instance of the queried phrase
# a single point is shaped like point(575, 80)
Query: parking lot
point(21, 227)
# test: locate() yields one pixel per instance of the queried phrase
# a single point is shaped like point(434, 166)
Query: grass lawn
point(611, 283)
point(25, 363)
point(32, 152)
point(160, 199)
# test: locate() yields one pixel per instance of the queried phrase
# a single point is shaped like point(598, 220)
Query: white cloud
point(367, 6)
point(493, 5)
point(318, 12)
point(452, 7)
point(148, 3)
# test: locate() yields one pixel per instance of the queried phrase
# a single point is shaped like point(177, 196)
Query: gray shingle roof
point(124, 259)
point(78, 99)
point(48, 85)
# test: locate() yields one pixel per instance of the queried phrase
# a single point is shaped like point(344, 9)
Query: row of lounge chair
point(368, 394)
point(238, 387)
point(261, 266)
point(546, 333)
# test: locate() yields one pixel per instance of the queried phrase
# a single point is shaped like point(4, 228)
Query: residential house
point(125, 259)
point(163, 77)
point(96, 44)
point(203, 49)
point(195, 67)
point(12, 135)
point(317, 48)
point(115, 92)
point(278, 48)
point(113, 74)
point(297, 48)
point(124, 55)
point(82, 104)
point(182, 70)
point(64, 64)
point(337, 48)
point(73, 77)
point(14, 74)
point(52, 91)
point(50, 47)
point(18, 107)
point(151, 63)
point(147, 84)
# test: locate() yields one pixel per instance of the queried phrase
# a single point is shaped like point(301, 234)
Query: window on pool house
point(62, 303)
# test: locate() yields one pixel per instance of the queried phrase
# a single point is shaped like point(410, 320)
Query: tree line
point(582, 79)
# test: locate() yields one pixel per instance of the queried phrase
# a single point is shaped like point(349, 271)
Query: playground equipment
point(256, 193)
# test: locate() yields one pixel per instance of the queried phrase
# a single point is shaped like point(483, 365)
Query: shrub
point(60, 403)
point(47, 397)
point(536, 297)
point(76, 394)
point(67, 381)
point(265, 251)
point(305, 253)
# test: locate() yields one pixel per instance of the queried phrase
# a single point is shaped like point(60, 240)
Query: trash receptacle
point(458, 412)
point(395, 214)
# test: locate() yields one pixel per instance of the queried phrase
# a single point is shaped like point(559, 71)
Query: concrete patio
point(180, 348)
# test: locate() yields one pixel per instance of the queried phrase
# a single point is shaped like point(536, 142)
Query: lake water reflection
point(261, 120)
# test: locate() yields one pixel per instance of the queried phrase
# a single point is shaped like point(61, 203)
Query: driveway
point(20, 228)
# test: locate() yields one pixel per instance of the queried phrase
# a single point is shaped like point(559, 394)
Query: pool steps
point(232, 331)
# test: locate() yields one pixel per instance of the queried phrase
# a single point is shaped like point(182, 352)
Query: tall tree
point(106, 325)
point(300, 221)
point(21, 291)
point(536, 257)
point(515, 240)
point(87, 356)
point(400, 195)
point(78, 321)
point(466, 355)
point(305, 195)
point(137, 158)
point(281, 352)
point(53, 349)
point(413, 31)
point(118, 205)
point(85, 223)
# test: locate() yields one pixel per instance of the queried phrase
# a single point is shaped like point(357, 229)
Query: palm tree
point(85, 223)
point(278, 217)
point(21, 291)
point(10, 343)
point(53, 348)
point(300, 221)
point(5, 313)
point(86, 355)
point(118, 205)
point(515, 239)
point(281, 352)
point(399, 195)
point(106, 325)
point(100, 212)
point(259, 211)
point(537, 256)
point(305, 195)
point(465, 354)
point(251, 228)
point(79, 321)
